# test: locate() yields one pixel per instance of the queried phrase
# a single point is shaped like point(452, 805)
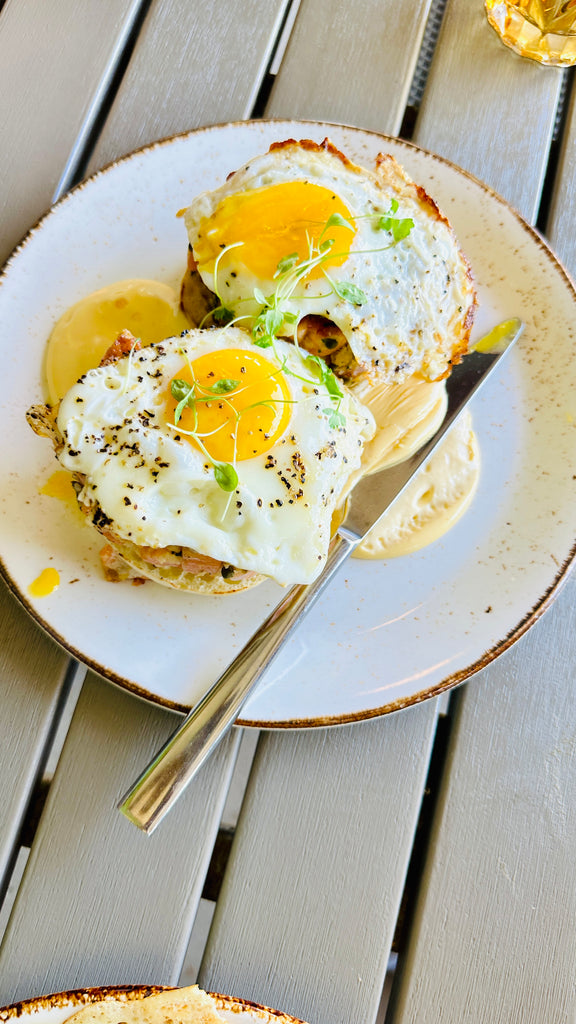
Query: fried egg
point(207, 442)
point(301, 232)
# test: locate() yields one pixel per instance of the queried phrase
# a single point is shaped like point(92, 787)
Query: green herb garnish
point(224, 386)
point(350, 292)
point(189, 395)
point(226, 476)
point(273, 312)
point(399, 226)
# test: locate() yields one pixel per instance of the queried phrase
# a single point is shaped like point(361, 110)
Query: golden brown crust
point(189, 1005)
point(325, 146)
point(122, 346)
point(42, 420)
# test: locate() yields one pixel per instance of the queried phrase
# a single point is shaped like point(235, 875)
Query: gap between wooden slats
point(208, 66)
point(309, 904)
point(58, 58)
point(560, 225)
point(100, 902)
point(478, 90)
point(376, 43)
point(36, 676)
point(492, 937)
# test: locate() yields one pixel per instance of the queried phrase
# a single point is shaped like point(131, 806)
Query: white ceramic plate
point(55, 1009)
point(387, 634)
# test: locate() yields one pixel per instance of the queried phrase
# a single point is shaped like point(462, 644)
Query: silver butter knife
point(162, 782)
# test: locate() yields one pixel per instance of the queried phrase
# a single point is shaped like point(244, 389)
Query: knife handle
point(167, 775)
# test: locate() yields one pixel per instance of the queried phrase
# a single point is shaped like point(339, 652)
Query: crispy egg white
point(405, 305)
point(149, 479)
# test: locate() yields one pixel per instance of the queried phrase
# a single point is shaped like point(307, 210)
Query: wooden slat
point(208, 64)
point(321, 826)
point(307, 913)
point(100, 902)
point(57, 60)
point(59, 63)
point(493, 935)
point(115, 905)
point(351, 62)
point(484, 106)
point(32, 674)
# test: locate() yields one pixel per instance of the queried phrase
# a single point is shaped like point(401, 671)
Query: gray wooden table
point(440, 841)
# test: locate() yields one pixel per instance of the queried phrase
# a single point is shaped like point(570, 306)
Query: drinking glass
point(544, 30)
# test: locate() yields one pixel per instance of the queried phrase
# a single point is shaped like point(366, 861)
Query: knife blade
point(164, 779)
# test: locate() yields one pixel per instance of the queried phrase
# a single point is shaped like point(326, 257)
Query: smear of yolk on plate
point(45, 584)
point(148, 309)
point(59, 485)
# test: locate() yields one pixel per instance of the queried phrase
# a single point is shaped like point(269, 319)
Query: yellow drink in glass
point(544, 30)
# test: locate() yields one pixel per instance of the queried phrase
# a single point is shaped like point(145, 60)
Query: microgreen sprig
point(399, 226)
point(336, 419)
point(274, 313)
point(185, 395)
point(291, 270)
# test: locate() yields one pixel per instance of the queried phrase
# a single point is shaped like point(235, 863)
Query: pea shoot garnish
point(399, 226)
point(336, 419)
point(226, 476)
point(274, 312)
point(189, 395)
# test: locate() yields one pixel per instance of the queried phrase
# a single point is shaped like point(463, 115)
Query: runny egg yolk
point(239, 406)
point(273, 223)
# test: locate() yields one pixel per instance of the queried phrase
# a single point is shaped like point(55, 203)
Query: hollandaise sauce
point(148, 309)
point(407, 415)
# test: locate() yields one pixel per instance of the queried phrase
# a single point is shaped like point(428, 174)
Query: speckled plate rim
point(43, 1008)
point(450, 680)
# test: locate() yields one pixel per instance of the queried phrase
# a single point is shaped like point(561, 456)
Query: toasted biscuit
point(174, 1006)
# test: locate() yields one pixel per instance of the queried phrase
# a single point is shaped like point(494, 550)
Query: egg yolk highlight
point(272, 223)
point(240, 404)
